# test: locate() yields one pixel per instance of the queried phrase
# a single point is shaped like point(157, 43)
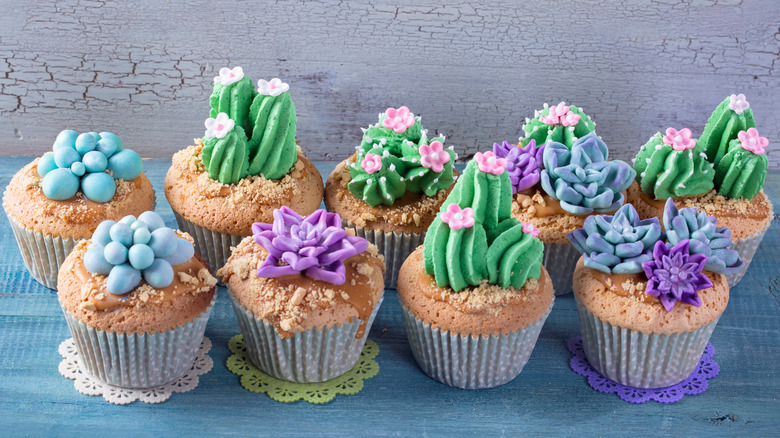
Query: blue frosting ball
point(121, 233)
point(152, 220)
point(137, 224)
point(163, 242)
point(125, 164)
point(113, 137)
point(60, 184)
point(78, 168)
point(102, 235)
point(159, 274)
point(66, 138)
point(46, 164)
point(64, 157)
point(85, 143)
point(122, 279)
point(141, 236)
point(96, 262)
point(98, 187)
point(184, 251)
point(140, 256)
point(115, 253)
point(129, 220)
point(107, 147)
point(94, 161)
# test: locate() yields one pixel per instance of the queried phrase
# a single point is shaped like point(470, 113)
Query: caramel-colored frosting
point(626, 285)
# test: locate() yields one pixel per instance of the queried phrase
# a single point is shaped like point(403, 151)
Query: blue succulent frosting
point(705, 237)
point(81, 162)
point(133, 248)
point(582, 179)
point(617, 244)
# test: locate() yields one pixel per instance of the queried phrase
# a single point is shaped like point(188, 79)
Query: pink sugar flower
point(679, 140)
point(529, 228)
point(738, 103)
point(489, 163)
point(433, 156)
point(751, 141)
point(398, 119)
point(371, 163)
point(570, 119)
point(560, 114)
point(457, 218)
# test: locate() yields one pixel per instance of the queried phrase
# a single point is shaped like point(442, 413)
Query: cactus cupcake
point(60, 198)
point(722, 174)
point(245, 166)
point(390, 190)
point(648, 301)
point(475, 296)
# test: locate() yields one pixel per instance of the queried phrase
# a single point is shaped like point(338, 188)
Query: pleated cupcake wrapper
point(470, 362)
point(138, 360)
point(213, 246)
point(560, 259)
point(396, 247)
point(641, 360)
point(314, 355)
point(746, 248)
point(43, 254)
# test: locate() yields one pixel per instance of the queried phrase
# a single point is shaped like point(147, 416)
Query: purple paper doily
point(696, 383)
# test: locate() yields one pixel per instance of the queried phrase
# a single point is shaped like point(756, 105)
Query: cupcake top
point(560, 123)
point(299, 273)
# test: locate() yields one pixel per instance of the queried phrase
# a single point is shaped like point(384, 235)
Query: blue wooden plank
point(547, 397)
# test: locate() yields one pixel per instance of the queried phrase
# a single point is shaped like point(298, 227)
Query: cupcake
point(560, 175)
point(390, 190)
point(475, 296)
point(246, 165)
point(60, 198)
point(305, 292)
point(136, 298)
point(648, 301)
point(721, 174)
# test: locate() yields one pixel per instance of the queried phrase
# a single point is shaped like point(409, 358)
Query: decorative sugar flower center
point(433, 156)
point(529, 228)
point(228, 76)
point(751, 141)
point(738, 103)
point(674, 274)
point(679, 140)
point(490, 163)
point(398, 119)
point(458, 218)
point(371, 163)
point(219, 127)
point(274, 87)
point(560, 115)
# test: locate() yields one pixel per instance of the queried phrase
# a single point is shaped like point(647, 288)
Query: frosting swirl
point(560, 123)
point(272, 150)
point(383, 184)
point(232, 95)
point(741, 173)
point(225, 158)
point(490, 196)
point(665, 172)
point(729, 118)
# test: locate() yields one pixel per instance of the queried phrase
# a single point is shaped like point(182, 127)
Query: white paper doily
point(85, 383)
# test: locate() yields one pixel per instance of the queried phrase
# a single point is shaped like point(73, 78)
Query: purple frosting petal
point(524, 164)
point(675, 275)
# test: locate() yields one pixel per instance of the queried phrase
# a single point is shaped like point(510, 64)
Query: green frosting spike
point(537, 129)
point(226, 159)
point(490, 196)
point(468, 269)
point(514, 256)
point(272, 150)
point(723, 127)
point(666, 173)
point(740, 173)
point(420, 179)
point(234, 100)
point(391, 140)
point(382, 186)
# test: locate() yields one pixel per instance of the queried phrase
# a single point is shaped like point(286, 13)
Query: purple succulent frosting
point(316, 245)
point(524, 164)
point(675, 275)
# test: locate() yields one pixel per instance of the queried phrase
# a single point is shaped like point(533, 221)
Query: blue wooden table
point(547, 397)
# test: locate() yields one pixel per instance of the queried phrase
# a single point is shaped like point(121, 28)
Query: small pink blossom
point(398, 119)
point(560, 114)
point(490, 163)
point(570, 119)
point(751, 141)
point(529, 228)
point(738, 103)
point(457, 218)
point(371, 163)
point(679, 140)
point(433, 156)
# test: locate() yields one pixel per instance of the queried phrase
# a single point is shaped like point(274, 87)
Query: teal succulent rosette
point(560, 123)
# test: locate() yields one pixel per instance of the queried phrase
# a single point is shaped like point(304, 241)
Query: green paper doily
point(252, 379)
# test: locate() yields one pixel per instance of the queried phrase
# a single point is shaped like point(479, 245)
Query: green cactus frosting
point(225, 157)
point(729, 118)
point(665, 170)
point(377, 178)
point(490, 196)
point(272, 149)
point(468, 269)
point(233, 93)
point(422, 179)
point(560, 123)
point(514, 256)
point(742, 170)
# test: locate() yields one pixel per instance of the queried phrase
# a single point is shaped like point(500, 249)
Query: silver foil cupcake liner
point(314, 355)
point(396, 247)
point(637, 359)
point(746, 248)
point(560, 259)
point(471, 362)
point(213, 246)
point(133, 360)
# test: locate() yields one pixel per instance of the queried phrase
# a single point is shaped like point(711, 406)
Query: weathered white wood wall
point(473, 69)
